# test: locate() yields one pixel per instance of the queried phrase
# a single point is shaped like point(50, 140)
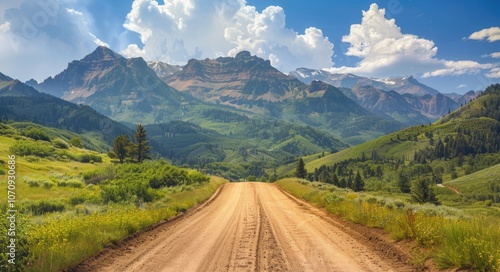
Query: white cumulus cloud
point(461, 86)
point(491, 34)
point(456, 68)
point(177, 31)
point(39, 38)
point(495, 55)
point(385, 51)
point(494, 73)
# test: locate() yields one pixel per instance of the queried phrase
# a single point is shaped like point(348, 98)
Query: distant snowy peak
point(386, 81)
point(164, 70)
point(402, 85)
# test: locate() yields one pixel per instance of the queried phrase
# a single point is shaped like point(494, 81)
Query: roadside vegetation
point(451, 237)
point(73, 202)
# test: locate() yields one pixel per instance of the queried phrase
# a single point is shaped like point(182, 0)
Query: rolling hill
point(456, 146)
point(22, 103)
point(257, 146)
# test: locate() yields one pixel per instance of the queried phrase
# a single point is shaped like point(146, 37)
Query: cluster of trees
point(416, 180)
point(337, 175)
point(138, 150)
point(466, 142)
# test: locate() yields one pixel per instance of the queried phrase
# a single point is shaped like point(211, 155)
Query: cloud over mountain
point(177, 31)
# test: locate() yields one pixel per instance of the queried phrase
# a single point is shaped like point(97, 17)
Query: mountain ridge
point(20, 102)
point(418, 103)
point(251, 83)
point(124, 89)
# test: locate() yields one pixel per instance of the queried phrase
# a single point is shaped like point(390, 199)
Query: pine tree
point(358, 184)
point(422, 192)
point(142, 149)
point(301, 171)
point(335, 180)
point(121, 147)
point(404, 183)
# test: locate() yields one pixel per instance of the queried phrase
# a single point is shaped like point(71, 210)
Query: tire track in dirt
point(247, 227)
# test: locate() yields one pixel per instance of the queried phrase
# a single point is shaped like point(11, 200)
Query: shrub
point(88, 158)
point(25, 148)
point(76, 142)
point(24, 252)
point(42, 207)
point(35, 133)
point(32, 182)
point(76, 200)
point(6, 130)
point(48, 184)
point(251, 178)
point(98, 176)
point(197, 177)
point(70, 183)
point(60, 143)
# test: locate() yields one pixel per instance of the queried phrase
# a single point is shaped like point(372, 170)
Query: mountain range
point(251, 84)
point(122, 89)
point(404, 85)
point(131, 91)
point(224, 110)
point(404, 99)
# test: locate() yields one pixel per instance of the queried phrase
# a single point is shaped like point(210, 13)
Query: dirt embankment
point(254, 227)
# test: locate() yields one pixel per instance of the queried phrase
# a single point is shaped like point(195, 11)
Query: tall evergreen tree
point(121, 147)
point(422, 192)
point(358, 183)
point(335, 180)
point(301, 171)
point(404, 183)
point(142, 150)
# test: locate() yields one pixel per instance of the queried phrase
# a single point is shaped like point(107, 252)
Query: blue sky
point(432, 41)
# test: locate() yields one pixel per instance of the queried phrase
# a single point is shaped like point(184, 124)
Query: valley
point(229, 164)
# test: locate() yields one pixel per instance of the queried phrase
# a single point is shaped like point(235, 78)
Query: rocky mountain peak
point(317, 85)
point(102, 53)
point(4, 77)
point(243, 55)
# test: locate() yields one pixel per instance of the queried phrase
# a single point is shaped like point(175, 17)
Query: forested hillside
point(461, 143)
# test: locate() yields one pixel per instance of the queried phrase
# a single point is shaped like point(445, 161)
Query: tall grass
point(454, 242)
point(63, 240)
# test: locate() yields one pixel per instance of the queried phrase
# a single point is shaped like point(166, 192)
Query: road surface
point(249, 227)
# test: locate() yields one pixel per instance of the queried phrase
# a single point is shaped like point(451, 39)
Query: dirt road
point(250, 227)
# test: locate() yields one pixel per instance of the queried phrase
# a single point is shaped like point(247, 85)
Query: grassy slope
point(45, 169)
point(61, 240)
point(478, 182)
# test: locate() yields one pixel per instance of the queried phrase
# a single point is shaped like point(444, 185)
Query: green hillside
point(71, 202)
point(238, 146)
point(481, 188)
point(21, 103)
point(449, 151)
